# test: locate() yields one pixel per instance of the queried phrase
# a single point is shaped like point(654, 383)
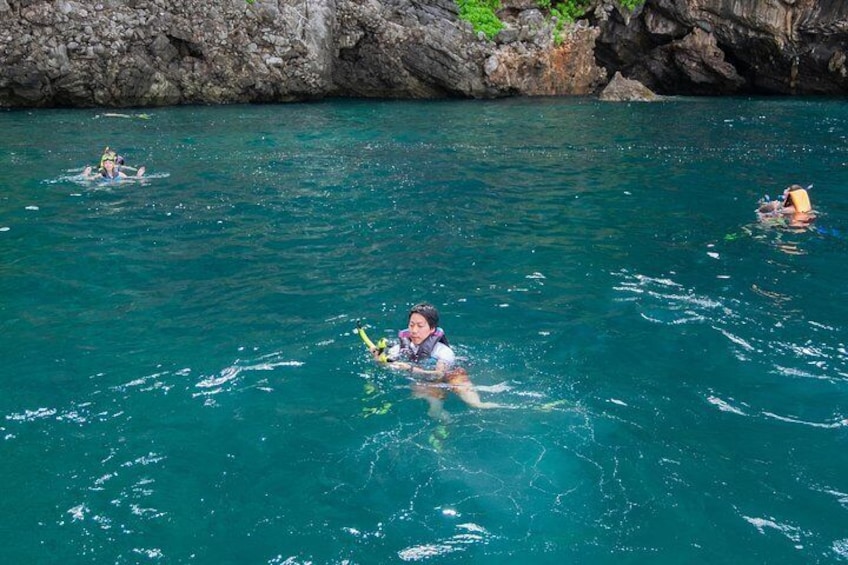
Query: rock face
point(713, 47)
point(119, 53)
point(621, 89)
point(165, 52)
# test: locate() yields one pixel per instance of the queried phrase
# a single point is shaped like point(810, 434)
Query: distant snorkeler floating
point(423, 352)
point(793, 207)
point(111, 168)
point(116, 115)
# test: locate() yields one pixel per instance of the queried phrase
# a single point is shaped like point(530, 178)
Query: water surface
point(181, 383)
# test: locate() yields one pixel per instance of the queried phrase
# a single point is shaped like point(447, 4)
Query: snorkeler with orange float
point(793, 206)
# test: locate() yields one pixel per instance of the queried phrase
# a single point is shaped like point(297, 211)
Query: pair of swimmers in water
point(793, 207)
point(111, 165)
point(423, 352)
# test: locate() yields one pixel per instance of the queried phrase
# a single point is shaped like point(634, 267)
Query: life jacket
point(426, 347)
point(799, 199)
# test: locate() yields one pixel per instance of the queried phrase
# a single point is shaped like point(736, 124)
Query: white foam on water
point(736, 339)
point(425, 551)
point(762, 524)
point(840, 547)
point(30, 415)
point(78, 512)
point(724, 406)
point(840, 423)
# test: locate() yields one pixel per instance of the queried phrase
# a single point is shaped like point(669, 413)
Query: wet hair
point(428, 311)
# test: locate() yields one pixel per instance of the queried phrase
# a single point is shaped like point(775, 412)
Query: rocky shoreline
point(145, 53)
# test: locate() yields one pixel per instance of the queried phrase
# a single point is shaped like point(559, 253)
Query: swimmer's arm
point(769, 207)
point(402, 366)
point(378, 356)
point(775, 209)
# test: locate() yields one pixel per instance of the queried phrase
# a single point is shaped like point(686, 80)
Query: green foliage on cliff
point(565, 12)
point(568, 11)
point(481, 15)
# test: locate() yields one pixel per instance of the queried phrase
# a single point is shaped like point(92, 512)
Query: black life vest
point(426, 347)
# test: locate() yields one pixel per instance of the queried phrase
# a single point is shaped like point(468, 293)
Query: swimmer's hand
point(378, 351)
point(380, 356)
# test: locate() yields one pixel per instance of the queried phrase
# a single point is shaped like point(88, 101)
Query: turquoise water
point(180, 381)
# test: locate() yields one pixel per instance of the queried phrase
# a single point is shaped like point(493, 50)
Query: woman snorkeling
point(423, 352)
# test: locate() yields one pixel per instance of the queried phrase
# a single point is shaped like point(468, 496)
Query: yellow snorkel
point(380, 346)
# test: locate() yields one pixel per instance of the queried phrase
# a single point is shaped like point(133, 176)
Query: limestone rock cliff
point(164, 52)
point(118, 53)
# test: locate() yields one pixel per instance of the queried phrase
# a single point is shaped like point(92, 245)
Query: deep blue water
point(180, 382)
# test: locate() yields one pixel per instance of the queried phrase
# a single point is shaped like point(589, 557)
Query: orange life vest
point(800, 200)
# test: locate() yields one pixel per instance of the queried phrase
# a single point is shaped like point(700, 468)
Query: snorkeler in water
point(424, 353)
point(793, 206)
point(110, 167)
point(110, 171)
